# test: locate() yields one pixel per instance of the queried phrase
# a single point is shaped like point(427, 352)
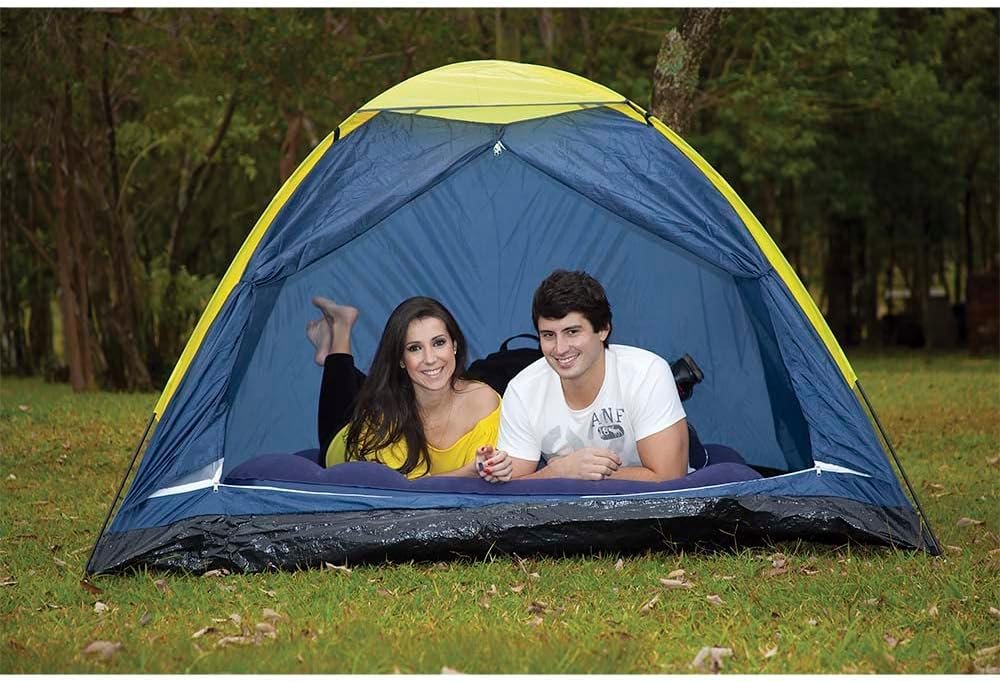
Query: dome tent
point(470, 183)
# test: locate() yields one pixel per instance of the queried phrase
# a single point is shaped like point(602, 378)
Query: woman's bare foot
point(320, 335)
point(341, 319)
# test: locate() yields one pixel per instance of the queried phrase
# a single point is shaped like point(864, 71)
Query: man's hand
point(591, 464)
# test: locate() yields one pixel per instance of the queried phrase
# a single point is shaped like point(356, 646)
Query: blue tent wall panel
point(444, 243)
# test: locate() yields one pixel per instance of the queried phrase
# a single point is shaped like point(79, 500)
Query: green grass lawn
point(832, 609)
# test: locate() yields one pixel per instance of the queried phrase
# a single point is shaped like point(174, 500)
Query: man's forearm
point(643, 474)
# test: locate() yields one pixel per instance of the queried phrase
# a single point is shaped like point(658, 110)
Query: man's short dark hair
point(564, 292)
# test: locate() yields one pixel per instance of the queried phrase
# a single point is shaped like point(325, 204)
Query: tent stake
point(86, 570)
point(934, 546)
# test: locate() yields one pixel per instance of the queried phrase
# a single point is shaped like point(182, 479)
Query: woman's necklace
point(435, 430)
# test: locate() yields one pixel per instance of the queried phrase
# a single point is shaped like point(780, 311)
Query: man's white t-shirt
point(638, 398)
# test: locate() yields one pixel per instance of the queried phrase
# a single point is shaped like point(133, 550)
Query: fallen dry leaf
point(24, 408)
point(215, 573)
point(90, 587)
point(102, 649)
point(445, 670)
point(676, 584)
point(995, 612)
point(966, 521)
point(334, 567)
point(714, 599)
point(775, 571)
point(726, 577)
point(676, 573)
point(204, 631)
point(954, 549)
point(516, 589)
point(145, 618)
point(536, 621)
point(236, 618)
point(813, 621)
point(269, 593)
point(269, 615)
point(808, 570)
point(771, 653)
point(233, 639)
point(534, 576)
point(648, 606)
point(492, 591)
point(709, 659)
point(538, 607)
point(620, 564)
point(890, 640)
point(12, 477)
point(874, 601)
point(932, 610)
point(8, 582)
point(162, 586)
point(59, 562)
point(993, 461)
point(266, 629)
point(988, 651)
point(100, 607)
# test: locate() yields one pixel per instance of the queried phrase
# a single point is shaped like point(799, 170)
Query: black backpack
point(497, 369)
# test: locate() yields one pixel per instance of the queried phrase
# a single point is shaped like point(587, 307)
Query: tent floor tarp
point(723, 504)
point(253, 543)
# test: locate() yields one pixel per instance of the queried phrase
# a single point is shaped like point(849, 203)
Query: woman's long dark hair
point(386, 409)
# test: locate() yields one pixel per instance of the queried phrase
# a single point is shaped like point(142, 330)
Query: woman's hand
point(492, 465)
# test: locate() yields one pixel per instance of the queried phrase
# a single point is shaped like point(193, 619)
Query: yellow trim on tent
point(769, 249)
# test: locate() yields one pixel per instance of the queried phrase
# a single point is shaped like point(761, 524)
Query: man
point(592, 410)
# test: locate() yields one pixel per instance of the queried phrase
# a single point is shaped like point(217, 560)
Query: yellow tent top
point(490, 91)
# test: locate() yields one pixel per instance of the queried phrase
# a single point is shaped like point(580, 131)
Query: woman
point(414, 413)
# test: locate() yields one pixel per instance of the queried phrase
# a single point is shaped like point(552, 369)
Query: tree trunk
point(588, 42)
point(15, 348)
point(507, 35)
point(838, 281)
point(867, 296)
point(675, 76)
point(289, 146)
point(547, 32)
point(76, 340)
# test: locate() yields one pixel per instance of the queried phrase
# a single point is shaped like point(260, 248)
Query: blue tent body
point(475, 214)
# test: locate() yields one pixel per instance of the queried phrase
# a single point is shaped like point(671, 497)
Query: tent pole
point(935, 548)
point(86, 570)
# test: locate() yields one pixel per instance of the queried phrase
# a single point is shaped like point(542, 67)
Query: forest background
point(139, 146)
